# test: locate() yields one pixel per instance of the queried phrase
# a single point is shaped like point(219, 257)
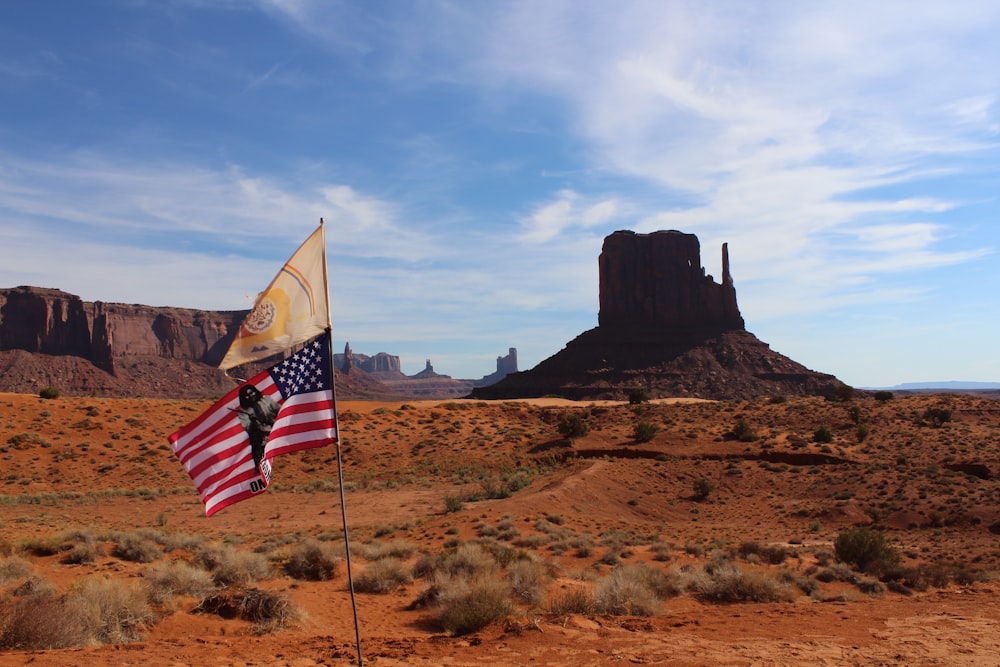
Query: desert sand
point(102, 467)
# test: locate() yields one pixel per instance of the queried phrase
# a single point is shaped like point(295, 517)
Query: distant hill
point(949, 385)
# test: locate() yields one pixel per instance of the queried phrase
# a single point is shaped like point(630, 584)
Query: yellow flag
point(292, 310)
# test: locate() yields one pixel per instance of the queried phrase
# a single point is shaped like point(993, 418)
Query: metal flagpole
point(340, 463)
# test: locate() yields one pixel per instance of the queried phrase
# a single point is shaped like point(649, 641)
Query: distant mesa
point(49, 337)
point(385, 368)
point(665, 327)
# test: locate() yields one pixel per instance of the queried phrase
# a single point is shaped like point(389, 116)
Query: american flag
point(215, 448)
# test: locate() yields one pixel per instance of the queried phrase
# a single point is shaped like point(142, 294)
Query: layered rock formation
point(666, 327)
point(51, 338)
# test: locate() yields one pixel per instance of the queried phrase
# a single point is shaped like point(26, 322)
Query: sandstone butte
point(665, 327)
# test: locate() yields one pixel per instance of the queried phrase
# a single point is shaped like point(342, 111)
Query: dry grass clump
point(313, 561)
point(634, 590)
point(382, 576)
point(399, 549)
point(469, 604)
point(13, 567)
point(114, 611)
point(267, 611)
point(168, 578)
point(230, 567)
point(527, 579)
point(85, 549)
point(575, 600)
point(39, 622)
point(726, 582)
point(136, 547)
point(466, 560)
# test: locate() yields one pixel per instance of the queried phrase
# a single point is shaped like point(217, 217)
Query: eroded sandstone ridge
point(665, 327)
point(52, 338)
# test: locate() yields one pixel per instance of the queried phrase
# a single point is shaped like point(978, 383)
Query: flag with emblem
point(227, 451)
point(293, 309)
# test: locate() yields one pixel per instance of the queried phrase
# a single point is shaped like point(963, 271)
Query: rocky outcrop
point(51, 338)
point(50, 321)
point(657, 281)
point(666, 327)
point(505, 366)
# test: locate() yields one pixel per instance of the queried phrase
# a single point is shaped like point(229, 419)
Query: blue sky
point(469, 157)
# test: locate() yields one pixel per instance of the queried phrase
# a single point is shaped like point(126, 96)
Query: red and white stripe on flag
point(215, 448)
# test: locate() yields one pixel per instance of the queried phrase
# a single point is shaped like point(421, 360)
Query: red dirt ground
point(103, 465)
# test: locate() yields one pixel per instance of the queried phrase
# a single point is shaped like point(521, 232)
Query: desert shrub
point(872, 587)
point(726, 582)
point(662, 550)
point(638, 396)
point(883, 396)
point(574, 600)
point(230, 567)
point(13, 567)
point(527, 580)
point(42, 546)
point(393, 549)
point(778, 399)
point(864, 548)
point(382, 576)
point(114, 611)
point(743, 431)
point(49, 393)
point(135, 547)
point(40, 622)
point(168, 578)
point(268, 611)
point(470, 604)
point(841, 393)
point(453, 504)
point(467, 559)
point(644, 432)
point(702, 488)
point(823, 434)
point(774, 555)
point(573, 426)
point(312, 561)
point(936, 416)
point(83, 553)
point(632, 590)
point(862, 431)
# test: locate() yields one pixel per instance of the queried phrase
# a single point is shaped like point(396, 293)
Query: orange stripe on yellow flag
point(292, 310)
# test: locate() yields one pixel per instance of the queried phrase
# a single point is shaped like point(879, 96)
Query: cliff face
point(665, 327)
point(656, 280)
point(51, 338)
point(50, 321)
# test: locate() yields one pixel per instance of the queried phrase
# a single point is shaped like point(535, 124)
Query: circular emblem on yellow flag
point(262, 316)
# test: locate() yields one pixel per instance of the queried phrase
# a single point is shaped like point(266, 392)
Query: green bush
point(644, 432)
point(49, 393)
point(637, 396)
point(937, 416)
point(702, 488)
point(841, 393)
point(823, 434)
point(573, 426)
point(743, 431)
point(865, 548)
point(883, 396)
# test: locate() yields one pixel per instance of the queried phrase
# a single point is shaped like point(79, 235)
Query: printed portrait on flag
point(228, 450)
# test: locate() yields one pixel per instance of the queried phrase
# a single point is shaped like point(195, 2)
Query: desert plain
point(705, 537)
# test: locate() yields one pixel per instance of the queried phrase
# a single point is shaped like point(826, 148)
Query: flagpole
point(340, 463)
